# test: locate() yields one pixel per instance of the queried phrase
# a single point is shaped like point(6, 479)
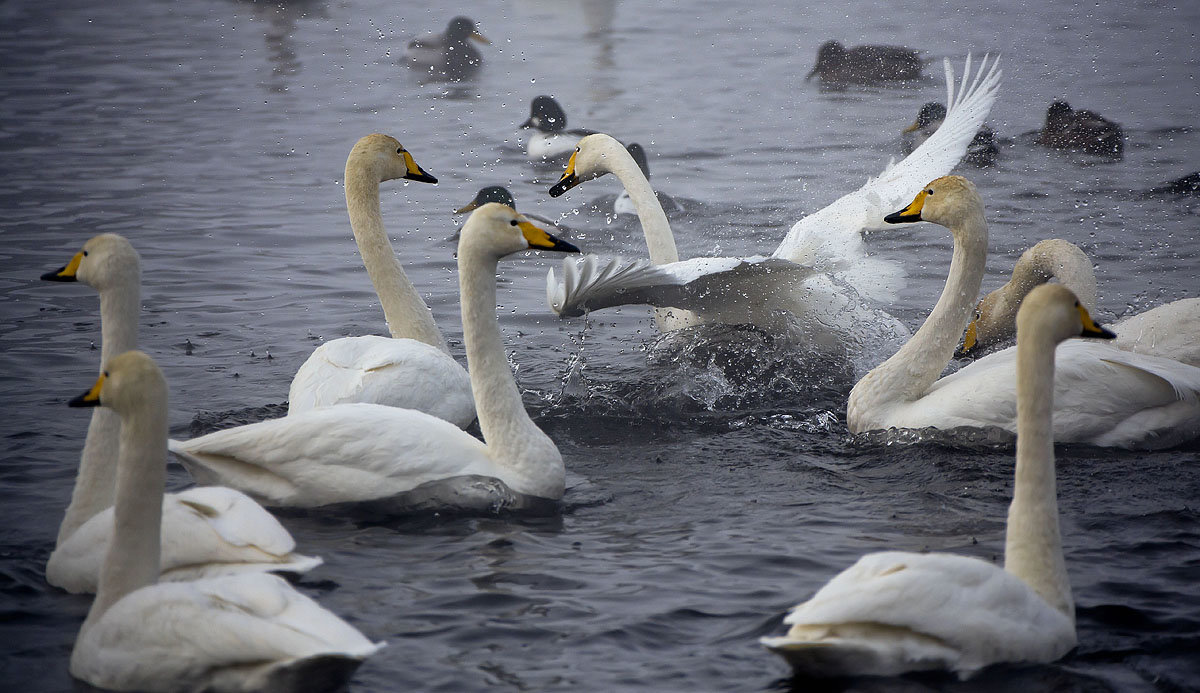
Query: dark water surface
point(700, 504)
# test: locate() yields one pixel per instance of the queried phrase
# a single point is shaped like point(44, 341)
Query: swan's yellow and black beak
point(66, 273)
point(910, 213)
point(568, 180)
point(539, 239)
point(1090, 327)
point(415, 172)
point(91, 398)
point(970, 339)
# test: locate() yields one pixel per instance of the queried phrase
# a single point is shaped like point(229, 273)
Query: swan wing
point(228, 633)
point(704, 285)
point(1171, 330)
point(206, 531)
point(833, 234)
point(893, 612)
point(403, 373)
point(343, 453)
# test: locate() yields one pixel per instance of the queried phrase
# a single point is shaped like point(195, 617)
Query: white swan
point(363, 452)
point(205, 531)
point(1103, 395)
point(411, 369)
point(231, 633)
point(828, 242)
point(1171, 330)
point(894, 611)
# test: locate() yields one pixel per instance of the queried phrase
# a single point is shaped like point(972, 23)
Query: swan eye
point(513, 223)
point(85, 253)
point(929, 191)
point(1077, 304)
point(399, 150)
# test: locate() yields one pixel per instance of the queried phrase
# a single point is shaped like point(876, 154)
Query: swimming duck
point(367, 453)
point(981, 151)
point(837, 64)
point(447, 56)
point(234, 633)
point(1171, 330)
point(206, 531)
point(552, 139)
point(893, 612)
point(1185, 185)
point(1103, 396)
point(624, 205)
point(501, 195)
point(1083, 131)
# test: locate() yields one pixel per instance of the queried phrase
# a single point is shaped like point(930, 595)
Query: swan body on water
point(234, 633)
point(412, 369)
point(827, 245)
point(367, 452)
point(1138, 402)
point(205, 531)
point(1171, 330)
point(894, 612)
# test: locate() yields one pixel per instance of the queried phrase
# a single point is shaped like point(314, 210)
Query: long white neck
point(512, 438)
point(1059, 259)
point(1033, 545)
point(133, 556)
point(908, 374)
point(94, 483)
point(406, 314)
point(660, 241)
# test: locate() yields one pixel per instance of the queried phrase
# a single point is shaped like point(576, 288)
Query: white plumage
point(412, 369)
point(894, 612)
point(235, 633)
point(830, 302)
point(232, 633)
point(205, 531)
point(364, 452)
point(1142, 402)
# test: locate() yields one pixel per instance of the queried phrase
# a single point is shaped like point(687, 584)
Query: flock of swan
point(186, 592)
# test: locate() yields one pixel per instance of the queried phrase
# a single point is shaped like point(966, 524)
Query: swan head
point(129, 381)
point(589, 161)
point(462, 28)
point(986, 327)
point(1054, 311)
point(106, 261)
point(946, 201)
point(546, 115)
point(492, 193)
point(500, 230)
point(386, 159)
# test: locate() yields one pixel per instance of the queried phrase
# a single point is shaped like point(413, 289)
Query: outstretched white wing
point(832, 236)
point(703, 285)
